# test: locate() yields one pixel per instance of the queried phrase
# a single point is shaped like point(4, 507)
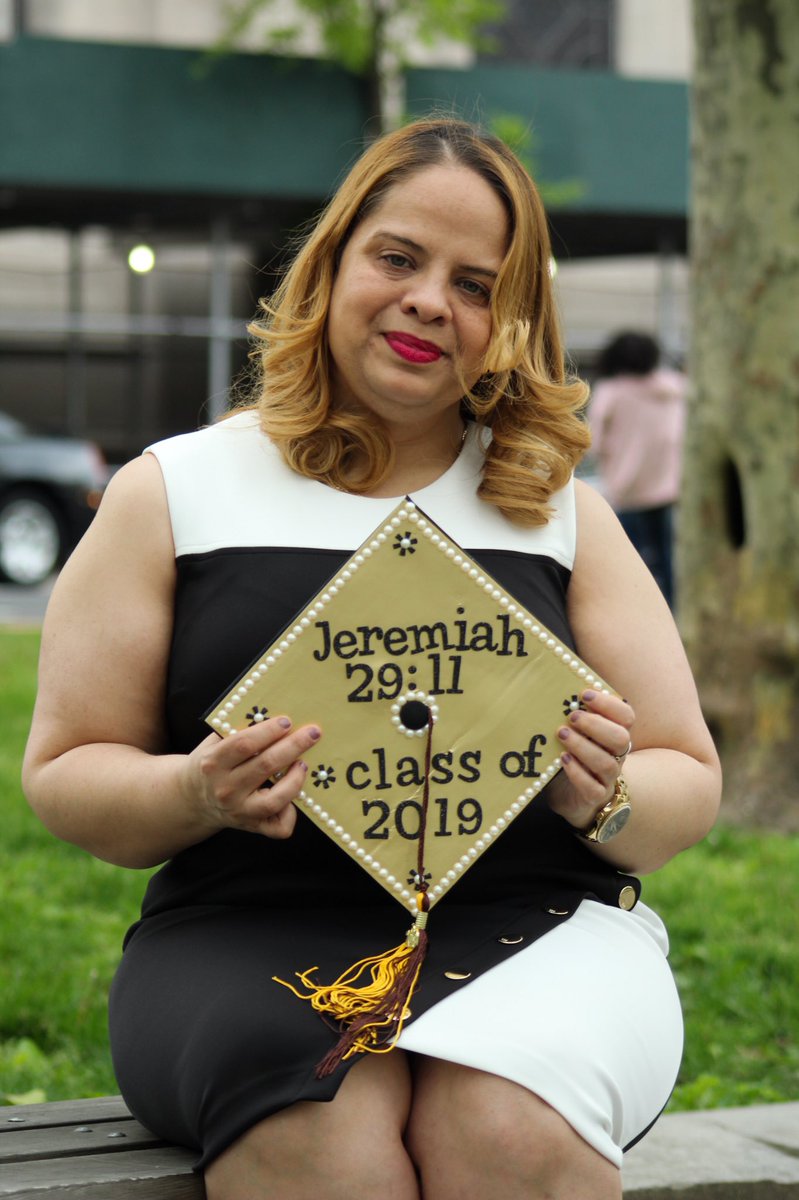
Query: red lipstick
point(413, 349)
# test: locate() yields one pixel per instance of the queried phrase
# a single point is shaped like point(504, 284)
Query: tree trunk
point(384, 76)
point(738, 546)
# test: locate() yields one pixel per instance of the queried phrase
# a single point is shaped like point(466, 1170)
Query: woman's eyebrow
point(419, 249)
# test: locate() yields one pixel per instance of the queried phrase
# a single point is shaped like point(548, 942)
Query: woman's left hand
point(596, 740)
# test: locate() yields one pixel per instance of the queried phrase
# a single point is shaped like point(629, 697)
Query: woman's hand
point(248, 780)
point(596, 740)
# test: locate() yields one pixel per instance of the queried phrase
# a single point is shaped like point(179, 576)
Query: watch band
point(612, 817)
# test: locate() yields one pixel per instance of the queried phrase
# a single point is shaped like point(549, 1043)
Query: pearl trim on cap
point(391, 538)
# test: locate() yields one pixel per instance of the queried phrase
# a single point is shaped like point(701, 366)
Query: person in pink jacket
point(637, 419)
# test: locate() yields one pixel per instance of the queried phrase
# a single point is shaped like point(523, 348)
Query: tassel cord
point(369, 1000)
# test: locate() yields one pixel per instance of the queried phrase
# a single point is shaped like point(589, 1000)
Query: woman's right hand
point(248, 780)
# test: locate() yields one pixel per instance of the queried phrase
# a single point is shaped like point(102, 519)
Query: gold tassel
point(372, 1012)
point(371, 1015)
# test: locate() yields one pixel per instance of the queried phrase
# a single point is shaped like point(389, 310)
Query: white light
point(553, 268)
point(141, 259)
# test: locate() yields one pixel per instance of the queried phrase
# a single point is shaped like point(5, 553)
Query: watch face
point(614, 823)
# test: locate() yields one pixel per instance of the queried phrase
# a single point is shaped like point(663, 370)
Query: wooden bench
point(94, 1150)
point(89, 1150)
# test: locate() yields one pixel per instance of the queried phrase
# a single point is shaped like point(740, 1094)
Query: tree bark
point(738, 545)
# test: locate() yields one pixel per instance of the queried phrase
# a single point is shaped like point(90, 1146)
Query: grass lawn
point(730, 905)
point(63, 918)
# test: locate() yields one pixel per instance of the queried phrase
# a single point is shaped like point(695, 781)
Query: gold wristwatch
point(611, 818)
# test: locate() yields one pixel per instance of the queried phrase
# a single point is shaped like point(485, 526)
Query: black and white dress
point(559, 984)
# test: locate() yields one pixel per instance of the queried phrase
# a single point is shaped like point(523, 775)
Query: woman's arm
point(95, 768)
point(624, 630)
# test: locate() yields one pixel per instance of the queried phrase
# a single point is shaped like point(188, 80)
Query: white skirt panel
point(587, 1017)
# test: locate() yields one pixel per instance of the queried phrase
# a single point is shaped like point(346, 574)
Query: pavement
point(726, 1153)
point(24, 606)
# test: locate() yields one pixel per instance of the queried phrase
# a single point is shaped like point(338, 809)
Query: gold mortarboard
point(440, 697)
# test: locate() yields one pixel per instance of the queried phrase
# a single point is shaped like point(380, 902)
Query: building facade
point(119, 131)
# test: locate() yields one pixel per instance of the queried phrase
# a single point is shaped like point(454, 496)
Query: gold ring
point(621, 757)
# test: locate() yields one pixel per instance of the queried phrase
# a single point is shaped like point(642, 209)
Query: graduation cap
point(440, 697)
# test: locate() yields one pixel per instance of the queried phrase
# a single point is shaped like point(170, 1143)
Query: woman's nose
point(428, 298)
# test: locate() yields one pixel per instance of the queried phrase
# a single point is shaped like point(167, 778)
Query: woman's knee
point(307, 1165)
point(487, 1118)
point(466, 1125)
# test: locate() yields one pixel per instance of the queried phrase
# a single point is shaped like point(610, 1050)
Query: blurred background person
point(637, 419)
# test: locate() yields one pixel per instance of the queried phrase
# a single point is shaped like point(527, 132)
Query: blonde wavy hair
point(524, 395)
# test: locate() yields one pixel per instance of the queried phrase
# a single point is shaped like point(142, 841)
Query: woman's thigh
point(349, 1147)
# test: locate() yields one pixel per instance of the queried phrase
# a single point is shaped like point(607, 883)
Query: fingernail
point(563, 734)
point(284, 722)
point(565, 758)
point(314, 734)
point(303, 766)
point(589, 695)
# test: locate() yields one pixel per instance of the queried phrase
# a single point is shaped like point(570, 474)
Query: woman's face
point(410, 303)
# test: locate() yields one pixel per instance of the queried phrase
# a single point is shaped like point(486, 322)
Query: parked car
point(50, 488)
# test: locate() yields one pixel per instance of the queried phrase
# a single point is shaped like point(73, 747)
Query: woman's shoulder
point(216, 478)
point(586, 495)
point(227, 438)
point(135, 492)
point(594, 516)
point(607, 568)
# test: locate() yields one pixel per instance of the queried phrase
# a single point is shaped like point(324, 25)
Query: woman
point(637, 421)
point(412, 349)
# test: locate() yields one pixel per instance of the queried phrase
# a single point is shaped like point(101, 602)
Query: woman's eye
point(473, 288)
point(397, 260)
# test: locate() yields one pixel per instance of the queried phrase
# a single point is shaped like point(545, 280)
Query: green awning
point(96, 116)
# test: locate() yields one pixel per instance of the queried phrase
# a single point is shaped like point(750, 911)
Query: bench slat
point(63, 1112)
point(125, 1176)
point(61, 1141)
